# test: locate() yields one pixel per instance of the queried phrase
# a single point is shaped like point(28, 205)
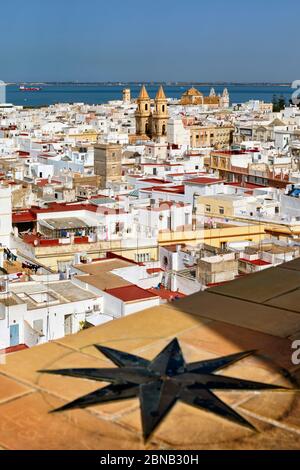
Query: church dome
point(193, 92)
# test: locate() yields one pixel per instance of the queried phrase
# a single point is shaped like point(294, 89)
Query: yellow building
point(223, 205)
point(58, 256)
point(217, 237)
point(212, 136)
point(89, 136)
point(194, 97)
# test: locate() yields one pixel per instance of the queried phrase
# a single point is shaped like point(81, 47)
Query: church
point(151, 123)
point(194, 97)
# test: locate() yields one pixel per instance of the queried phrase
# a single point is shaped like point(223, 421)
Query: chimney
point(174, 285)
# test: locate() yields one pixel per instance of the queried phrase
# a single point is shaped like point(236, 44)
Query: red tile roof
point(24, 216)
point(79, 240)
point(154, 270)
point(19, 347)
point(235, 152)
point(204, 180)
point(256, 262)
point(245, 185)
point(165, 205)
point(167, 294)
point(153, 181)
point(64, 207)
point(170, 189)
point(186, 173)
point(23, 154)
point(44, 181)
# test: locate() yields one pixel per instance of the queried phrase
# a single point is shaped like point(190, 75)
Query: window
point(142, 257)
point(221, 210)
point(146, 107)
point(207, 208)
point(38, 326)
point(163, 108)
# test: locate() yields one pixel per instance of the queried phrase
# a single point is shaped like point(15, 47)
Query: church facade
point(194, 97)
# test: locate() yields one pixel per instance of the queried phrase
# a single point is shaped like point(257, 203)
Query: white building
point(35, 312)
point(5, 215)
point(177, 134)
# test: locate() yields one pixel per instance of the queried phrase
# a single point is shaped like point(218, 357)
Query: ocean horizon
point(97, 93)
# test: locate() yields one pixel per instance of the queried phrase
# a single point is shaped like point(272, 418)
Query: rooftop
point(131, 293)
point(260, 312)
point(35, 294)
point(103, 266)
point(256, 262)
point(202, 180)
point(65, 223)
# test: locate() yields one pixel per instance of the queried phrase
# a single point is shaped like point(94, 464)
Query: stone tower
point(107, 163)
point(212, 92)
point(225, 100)
point(126, 95)
point(160, 115)
point(143, 114)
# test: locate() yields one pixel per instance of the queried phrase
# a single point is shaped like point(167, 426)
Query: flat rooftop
point(65, 223)
point(102, 266)
point(35, 294)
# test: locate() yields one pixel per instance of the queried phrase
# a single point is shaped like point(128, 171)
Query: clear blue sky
point(196, 40)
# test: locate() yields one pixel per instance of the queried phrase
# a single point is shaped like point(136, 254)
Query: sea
point(102, 93)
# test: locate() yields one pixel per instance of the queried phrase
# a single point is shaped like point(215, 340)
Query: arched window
point(146, 107)
point(163, 108)
point(164, 129)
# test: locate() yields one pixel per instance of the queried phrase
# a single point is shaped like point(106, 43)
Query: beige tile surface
point(26, 424)
point(254, 316)
point(10, 389)
point(261, 286)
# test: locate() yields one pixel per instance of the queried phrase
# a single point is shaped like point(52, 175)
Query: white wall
point(5, 216)
point(53, 318)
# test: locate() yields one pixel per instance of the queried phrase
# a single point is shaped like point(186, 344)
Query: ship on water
point(25, 88)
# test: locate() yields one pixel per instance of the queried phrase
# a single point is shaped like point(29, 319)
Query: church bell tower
point(160, 116)
point(143, 114)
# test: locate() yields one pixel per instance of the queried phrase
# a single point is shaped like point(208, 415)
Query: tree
point(281, 102)
point(278, 103)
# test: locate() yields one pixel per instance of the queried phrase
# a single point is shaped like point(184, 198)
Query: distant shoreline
point(138, 83)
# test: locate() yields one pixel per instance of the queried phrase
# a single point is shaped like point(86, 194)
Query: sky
point(157, 40)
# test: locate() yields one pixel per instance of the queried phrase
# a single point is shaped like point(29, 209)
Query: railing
point(260, 174)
